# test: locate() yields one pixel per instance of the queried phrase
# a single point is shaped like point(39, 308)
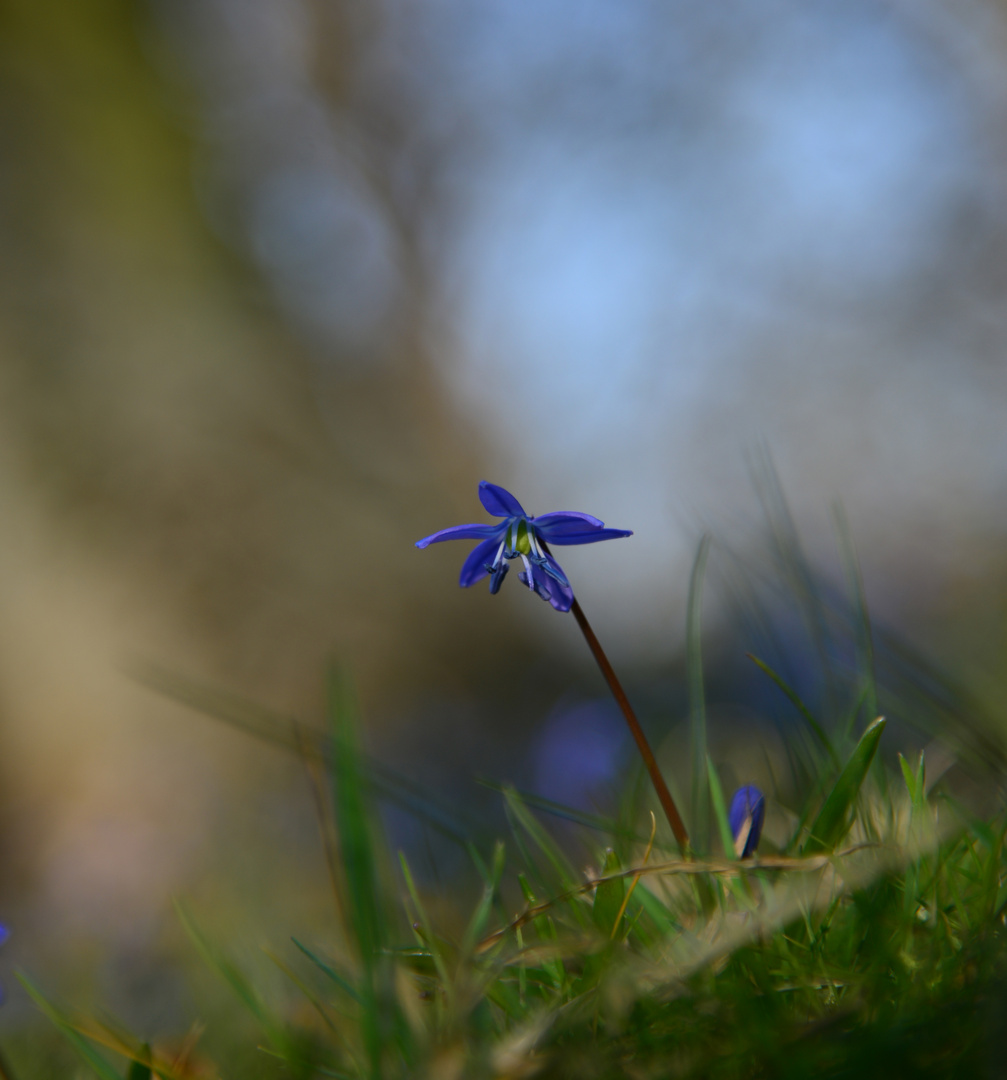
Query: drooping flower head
point(521, 536)
point(748, 809)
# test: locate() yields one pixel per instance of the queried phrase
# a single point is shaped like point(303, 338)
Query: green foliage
point(881, 958)
point(875, 949)
point(83, 1046)
point(699, 832)
point(720, 810)
point(804, 711)
point(835, 817)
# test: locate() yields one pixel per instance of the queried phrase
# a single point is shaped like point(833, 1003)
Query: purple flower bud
point(748, 810)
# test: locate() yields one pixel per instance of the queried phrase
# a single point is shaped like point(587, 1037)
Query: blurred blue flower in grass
point(748, 809)
point(579, 752)
point(521, 536)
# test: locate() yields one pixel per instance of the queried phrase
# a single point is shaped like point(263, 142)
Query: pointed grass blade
point(362, 902)
point(720, 810)
point(699, 830)
point(566, 874)
point(915, 781)
point(353, 826)
point(799, 705)
point(328, 970)
point(86, 1051)
point(425, 931)
point(835, 817)
point(140, 1070)
point(295, 736)
point(608, 896)
point(862, 625)
point(235, 978)
point(477, 924)
point(791, 559)
point(567, 813)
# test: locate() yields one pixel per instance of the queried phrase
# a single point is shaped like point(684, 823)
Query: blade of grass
point(425, 929)
point(636, 881)
point(309, 994)
point(697, 699)
point(560, 810)
point(798, 704)
point(140, 1070)
point(910, 778)
point(608, 896)
point(86, 1051)
point(328, 970)
point(834, 818)
point(792, 561)
point(477, 924)
point(862, 622)
point(542, 840)
point(289, 733)
point(720, 810)
point(363, 901)
point(242, 988)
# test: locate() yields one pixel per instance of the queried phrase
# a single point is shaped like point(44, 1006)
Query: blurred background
point(282, 280)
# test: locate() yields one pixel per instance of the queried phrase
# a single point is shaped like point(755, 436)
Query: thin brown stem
point(667, 802)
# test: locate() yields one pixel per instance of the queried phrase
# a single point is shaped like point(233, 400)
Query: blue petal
point(474, 567)
point(748, 804)
point(558, 594)
point(571, 528)
point(497, 574)
point(499, 501)
point(587, 537)
point(459, 532)
point(572, 517)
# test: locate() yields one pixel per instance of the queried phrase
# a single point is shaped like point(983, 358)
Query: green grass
point(876, 945)
point(869, 941)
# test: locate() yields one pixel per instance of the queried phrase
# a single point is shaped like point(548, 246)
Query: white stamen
point(527, 567)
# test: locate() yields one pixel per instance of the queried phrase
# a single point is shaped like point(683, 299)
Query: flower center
point(522, 540)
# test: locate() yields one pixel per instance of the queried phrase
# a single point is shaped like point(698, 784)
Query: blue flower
point(521, 536)
point(748, 809)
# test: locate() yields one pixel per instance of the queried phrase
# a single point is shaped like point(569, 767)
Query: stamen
point(529, 577)
point(498, 573)
point(510, 539)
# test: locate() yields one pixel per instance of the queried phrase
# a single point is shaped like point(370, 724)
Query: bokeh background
point(282, 280)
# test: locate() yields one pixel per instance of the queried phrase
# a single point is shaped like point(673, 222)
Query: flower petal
point(568, 527)
point(748, 810)
point(474, 567)
point(459, 532)
point(563, 517)
point(588, 536)
point(499, 501)
point(558, 594)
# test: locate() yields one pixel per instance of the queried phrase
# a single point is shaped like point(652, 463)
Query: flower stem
point(667, 802)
